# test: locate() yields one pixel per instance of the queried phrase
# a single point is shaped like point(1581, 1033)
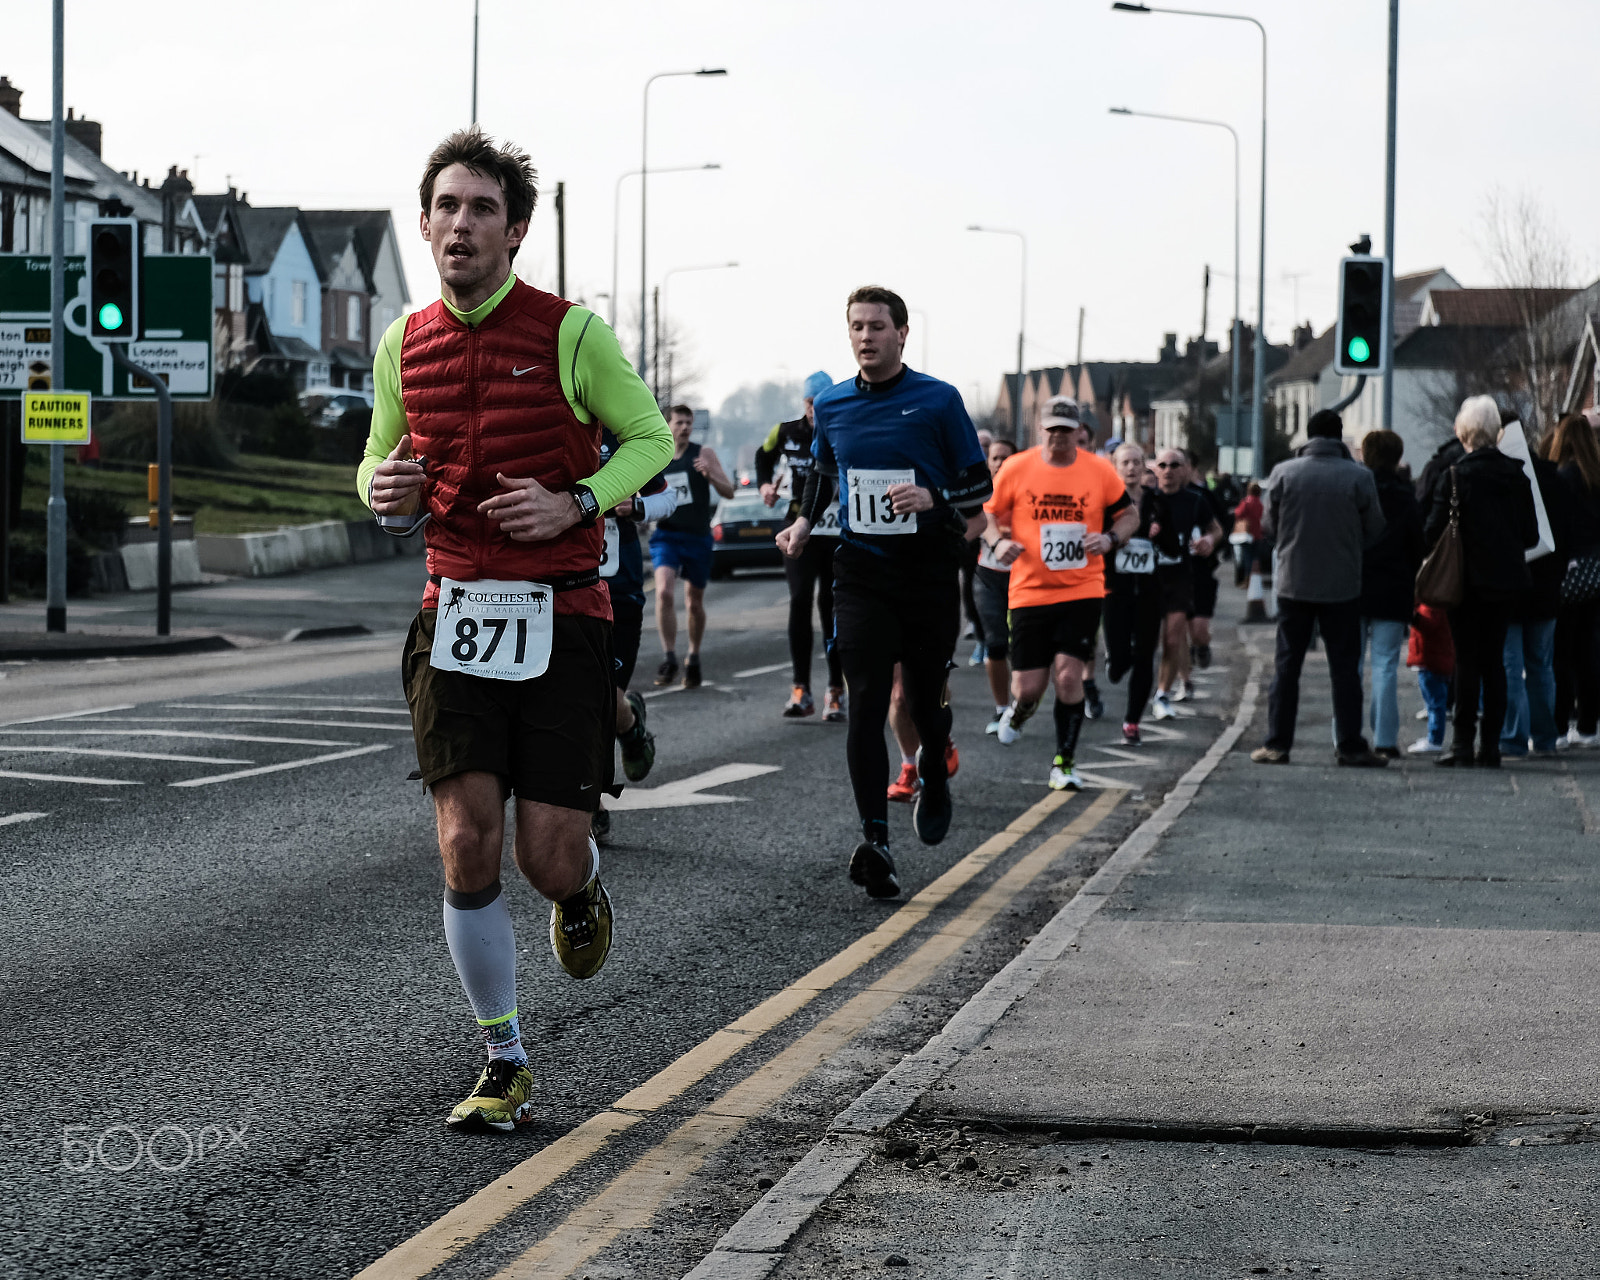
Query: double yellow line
point(630, 1201)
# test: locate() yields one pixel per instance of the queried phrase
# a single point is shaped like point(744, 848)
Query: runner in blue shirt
point(900, 452)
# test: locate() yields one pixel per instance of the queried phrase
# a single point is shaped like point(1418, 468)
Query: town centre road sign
point(176, 341)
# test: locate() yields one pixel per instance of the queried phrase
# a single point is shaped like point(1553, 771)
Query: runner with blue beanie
point(811, 573)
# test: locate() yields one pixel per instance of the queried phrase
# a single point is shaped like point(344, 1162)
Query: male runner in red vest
point(486, 434)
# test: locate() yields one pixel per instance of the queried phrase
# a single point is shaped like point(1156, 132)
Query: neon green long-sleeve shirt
point(596, 379)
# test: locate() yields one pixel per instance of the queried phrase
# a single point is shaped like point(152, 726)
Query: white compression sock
point(477, 927)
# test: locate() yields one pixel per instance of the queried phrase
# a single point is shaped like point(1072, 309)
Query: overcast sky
point(858, 140)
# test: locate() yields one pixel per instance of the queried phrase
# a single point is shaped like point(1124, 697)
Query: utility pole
point(1388, 221)
point(561, 239)
point(1200, 354)
point(1080, 342)
point(475, 61)
point(55, 613)
point(655, 364)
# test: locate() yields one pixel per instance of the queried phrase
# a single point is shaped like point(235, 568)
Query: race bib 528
point(498, 630)
point(867, 492)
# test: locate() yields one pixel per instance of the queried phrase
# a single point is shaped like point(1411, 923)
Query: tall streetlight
point(1216, 124)
point(666, 277)
point(1022, 326)
point(616, 220)
point(474, 61)
point(1258, 381)
point(644, 188)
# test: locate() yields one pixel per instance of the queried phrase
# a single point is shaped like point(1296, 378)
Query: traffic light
point(1360, 340)
point(115, 256)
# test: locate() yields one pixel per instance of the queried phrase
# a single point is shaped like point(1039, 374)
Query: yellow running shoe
point(580, 930)
point(499, 1101)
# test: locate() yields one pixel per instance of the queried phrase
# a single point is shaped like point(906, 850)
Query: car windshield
point(742, 508)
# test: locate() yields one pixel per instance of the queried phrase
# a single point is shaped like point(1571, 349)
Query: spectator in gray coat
point(1323, 510)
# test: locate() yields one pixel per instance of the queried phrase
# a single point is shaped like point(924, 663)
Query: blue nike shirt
point(919, 424)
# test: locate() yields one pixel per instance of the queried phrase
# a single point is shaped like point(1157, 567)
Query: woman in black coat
point(1388, 584)
point(1498, 525)
point(1572, 447)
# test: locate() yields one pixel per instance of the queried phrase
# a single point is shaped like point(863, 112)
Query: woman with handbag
point(1572, 446)
point(1486, 501)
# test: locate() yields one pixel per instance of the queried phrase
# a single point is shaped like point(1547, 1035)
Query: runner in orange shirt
point(1056, 499)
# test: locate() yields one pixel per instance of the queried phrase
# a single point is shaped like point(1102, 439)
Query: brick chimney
point(84, 130)
point(175, 192)
point(10, 96)
point(1304, 334)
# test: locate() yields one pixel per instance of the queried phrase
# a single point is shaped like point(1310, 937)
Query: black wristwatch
point(588, 508)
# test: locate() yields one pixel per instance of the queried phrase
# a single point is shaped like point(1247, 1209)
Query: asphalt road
point(231, 1028)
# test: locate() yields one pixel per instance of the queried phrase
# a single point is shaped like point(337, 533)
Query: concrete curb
point(753, 1247)
point(293, 548)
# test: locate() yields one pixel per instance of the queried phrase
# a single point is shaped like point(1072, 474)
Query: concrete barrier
point(293, 548)
point(139, 564)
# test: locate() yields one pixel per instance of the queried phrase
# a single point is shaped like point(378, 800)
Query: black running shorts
point(548, 739)
point(1205, 590)
point(1175, 582)
point(1040, 631)
point(900, 609)
point(627, 614)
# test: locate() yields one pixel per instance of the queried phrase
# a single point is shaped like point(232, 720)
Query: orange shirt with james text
point(1050, 510)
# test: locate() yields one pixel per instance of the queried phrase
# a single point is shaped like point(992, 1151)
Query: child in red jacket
point(1433, 654)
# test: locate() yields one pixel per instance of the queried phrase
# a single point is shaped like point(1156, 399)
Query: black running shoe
point(667, 672)
point(691, 672)
point(1202, 656)
point(600, 825)
point(872, 868)
point(1093, 708)
point(930, 812)
point(638, 744)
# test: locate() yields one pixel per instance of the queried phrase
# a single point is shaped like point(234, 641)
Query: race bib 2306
point(499, 630)
point(1061, 546)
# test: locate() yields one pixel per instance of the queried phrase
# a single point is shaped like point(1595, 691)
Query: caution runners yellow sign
point(55, 417)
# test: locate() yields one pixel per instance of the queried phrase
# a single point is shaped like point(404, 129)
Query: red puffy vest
point(488, 399)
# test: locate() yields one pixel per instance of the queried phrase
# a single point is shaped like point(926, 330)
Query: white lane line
point(251, 706)
point(11, 819)
point(322, 697)
point(689, 791)
point(175, 733)
point(70, 715)
point(678, 688)
point(315, 724)
point(64, 777)
point(278, 768)
point(761, 671)
point(11, 748)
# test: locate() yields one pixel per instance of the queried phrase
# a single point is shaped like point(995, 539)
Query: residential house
point(283, 288)
point(347, 295)
point(1180, 414)
point(1583, 379)
point(219, 223)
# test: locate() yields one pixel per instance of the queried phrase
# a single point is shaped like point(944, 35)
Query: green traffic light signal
point(1360, 352)
point(111, 316)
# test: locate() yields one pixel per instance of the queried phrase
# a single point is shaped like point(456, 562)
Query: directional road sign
point(176, 341)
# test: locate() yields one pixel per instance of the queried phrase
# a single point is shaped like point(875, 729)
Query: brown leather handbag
point(1441, 579)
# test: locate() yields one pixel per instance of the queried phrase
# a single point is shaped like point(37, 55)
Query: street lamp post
point(1258, 381)
point(1022, 326)
point(666, 277)
point(1217, 124)
point(616, 220)
point(644, 189)
point(474, 63)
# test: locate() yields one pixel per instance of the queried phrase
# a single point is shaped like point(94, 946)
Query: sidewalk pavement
point(1306, 1020)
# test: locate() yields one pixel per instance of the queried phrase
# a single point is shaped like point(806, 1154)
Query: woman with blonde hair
point(1498, 524)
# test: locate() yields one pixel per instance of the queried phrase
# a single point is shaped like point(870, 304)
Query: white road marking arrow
point(687, 791)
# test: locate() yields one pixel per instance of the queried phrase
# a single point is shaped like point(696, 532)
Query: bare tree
point(1531, 255)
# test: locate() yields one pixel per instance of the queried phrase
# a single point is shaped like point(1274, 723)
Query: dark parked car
point(742, 532)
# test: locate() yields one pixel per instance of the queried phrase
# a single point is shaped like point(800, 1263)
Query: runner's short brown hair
point(508, 164)
point(684, 409)
point(898, 315)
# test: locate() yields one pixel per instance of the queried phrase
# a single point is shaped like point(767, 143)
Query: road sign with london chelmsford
point(177, 329)
point(55, 417)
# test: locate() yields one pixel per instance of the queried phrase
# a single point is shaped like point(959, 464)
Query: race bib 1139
point(498, 630)
point(868, 498)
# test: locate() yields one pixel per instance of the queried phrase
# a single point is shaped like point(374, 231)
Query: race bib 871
point(868, 497)
point(498, 630)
